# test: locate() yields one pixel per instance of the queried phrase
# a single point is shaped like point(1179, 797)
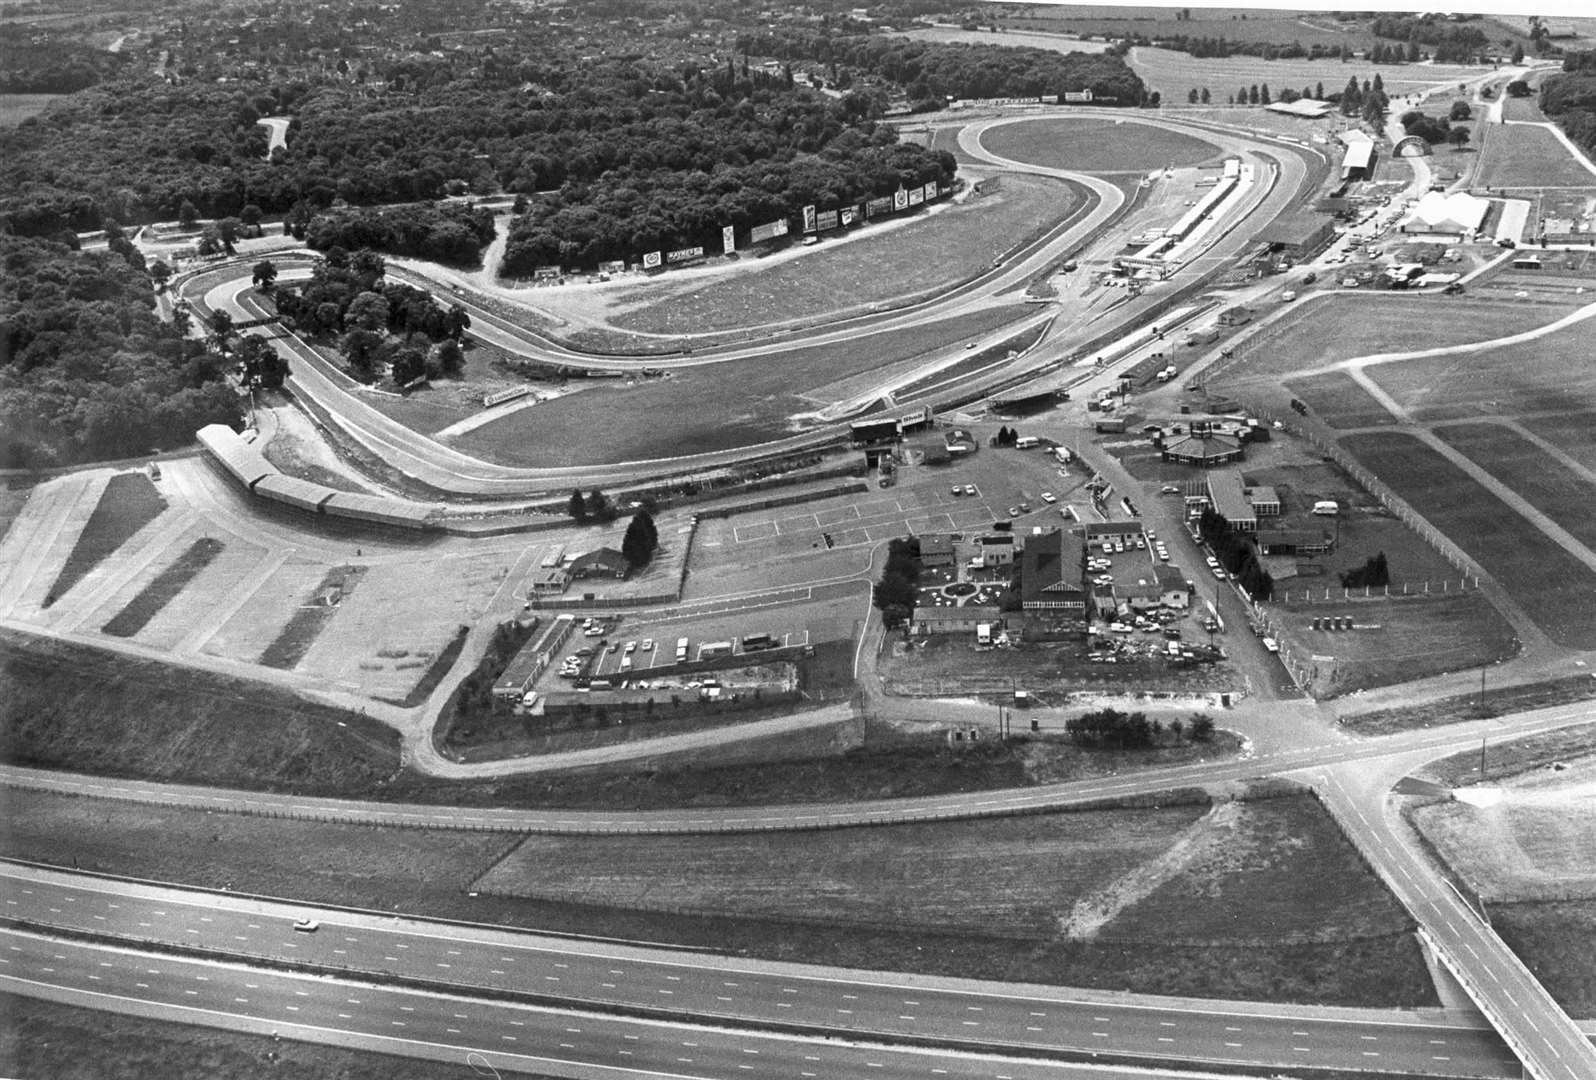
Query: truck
point(1203, 336)
point(711, 650)
point(1027, 442)
point(1327, 508)
point(1061, 454)
point(756, 642)
point(681, 650)
point(983, 633)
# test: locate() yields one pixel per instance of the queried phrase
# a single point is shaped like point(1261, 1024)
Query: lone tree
point(641, 540)
point(1458, 137)
point(598, 506)
point(260, 366)
point(264, 274)
point(577, 507)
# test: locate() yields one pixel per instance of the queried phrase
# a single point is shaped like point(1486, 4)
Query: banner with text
point(931, 191)
point(809, 218)
point(728, 239)
point(877, 207)
point(683, 255)
point(826, 219)
point(916, 196)
point(652, 260)
point(900, 200)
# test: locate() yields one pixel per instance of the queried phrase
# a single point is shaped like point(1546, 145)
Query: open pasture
point(712, 407)
point(1550, 374)
point(1400, 639)
point(1174, 73)
point(870, 267)
point(1341, 401)
point(1091, 145)
point(1260, 24)
point(1559, 492)
point(1553, 588)
point(1525, 156)
point(1012, 39)
point(1344, 327)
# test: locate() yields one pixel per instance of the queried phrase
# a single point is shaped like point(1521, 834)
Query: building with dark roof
point(937, 549)
point(1298, 235)
point(600, 562)
point(1204, 450)
point(1053, 573)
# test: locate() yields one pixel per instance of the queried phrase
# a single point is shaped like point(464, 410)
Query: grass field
point(998, 899)
point(1344, 327)
point(1546, 483)
point(1173, 73)
point(1406, 638)
point(128, 503)
point(1260, 24)
point(64, 1042)
point(692, 412)
point(70, 706)
point(1553, 588)
point(15, 108)
point(1011, 39)
point(1521, 156)
point(1340, 401)
point(154, 597)
point(932, 252)
point(1096, 146)
point(1548, 375)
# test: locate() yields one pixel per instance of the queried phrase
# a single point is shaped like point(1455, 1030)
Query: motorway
point(686, 987)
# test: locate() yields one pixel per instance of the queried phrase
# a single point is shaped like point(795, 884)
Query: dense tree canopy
point(1570, 99)
point(87, 371)
point(448, 233)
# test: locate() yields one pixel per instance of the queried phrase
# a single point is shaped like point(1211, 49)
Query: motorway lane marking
point(718, 998)
point(1033, 1029)
point(1237, 1046)
point(909, 1018)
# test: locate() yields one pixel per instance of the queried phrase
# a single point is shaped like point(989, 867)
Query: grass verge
point(43, 1038)
point(1540, 934)
point(64, 705)
point(163, 589)
point(1517, 756)
point(128, 503)
point(1456, 709)
point(13, 497)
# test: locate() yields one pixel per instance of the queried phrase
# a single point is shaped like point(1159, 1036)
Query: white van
point(1027, 442)
point(1327, 508)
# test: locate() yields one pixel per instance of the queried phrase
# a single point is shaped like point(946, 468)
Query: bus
point(755, 642)
point(713, 649)
point(681, 650)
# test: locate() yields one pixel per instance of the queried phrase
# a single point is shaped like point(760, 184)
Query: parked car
point(969, 489)
point(1049, 497)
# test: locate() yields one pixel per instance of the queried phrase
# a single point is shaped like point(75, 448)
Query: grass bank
point(128, 503)
point(65, 705)
point(1461, 707)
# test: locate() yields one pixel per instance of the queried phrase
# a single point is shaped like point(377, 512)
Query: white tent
point(1459, 213)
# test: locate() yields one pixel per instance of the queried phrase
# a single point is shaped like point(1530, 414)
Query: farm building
point(550, 581)
point(600, 562)
point(1302, 108)
point(958, 441)
point(1052, 573)
point(1204, 450)
point(1458, 214)
point(1298, 236)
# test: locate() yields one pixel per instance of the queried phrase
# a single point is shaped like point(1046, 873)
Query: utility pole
point(1482, 758)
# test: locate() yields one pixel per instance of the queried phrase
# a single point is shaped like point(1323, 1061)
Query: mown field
point(1405, 638)
point(1522, 156)
point(1344, 327)
point(1545, 483)
point(1550, 374)
point(874, 267)
point(69, 706)
point(1173, 73)
point(1096, 146)
point(1556, 590)
point(1260, 24)
point(1200, 901)
point(1341, 401)
point(691, 411)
